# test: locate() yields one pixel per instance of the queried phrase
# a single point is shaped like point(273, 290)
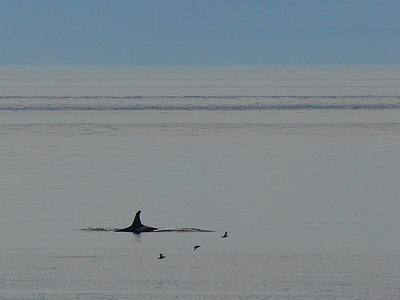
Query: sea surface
point(301, 165)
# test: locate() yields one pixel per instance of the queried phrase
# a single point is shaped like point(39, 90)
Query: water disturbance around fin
point(137, 227)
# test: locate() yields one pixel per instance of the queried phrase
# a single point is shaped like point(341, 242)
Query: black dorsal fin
point(136, 221)
point(137, 226)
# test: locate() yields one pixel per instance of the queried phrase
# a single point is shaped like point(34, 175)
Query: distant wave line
point(49, 97)
point(264, 79)
point(209, 107)
point(205, 86)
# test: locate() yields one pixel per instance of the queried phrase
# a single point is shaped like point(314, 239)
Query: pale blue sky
point(201, 32)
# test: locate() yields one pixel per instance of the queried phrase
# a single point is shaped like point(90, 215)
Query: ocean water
point(300, 165)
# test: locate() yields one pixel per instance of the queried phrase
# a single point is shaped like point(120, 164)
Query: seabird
point(225, 235)
point(195, 247)
point(161, 256)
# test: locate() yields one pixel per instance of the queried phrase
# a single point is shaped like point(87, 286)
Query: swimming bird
point(161, 256)
point(195, 247)
point(225, 235)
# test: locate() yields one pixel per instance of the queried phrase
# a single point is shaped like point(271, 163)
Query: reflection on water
point(305, 183)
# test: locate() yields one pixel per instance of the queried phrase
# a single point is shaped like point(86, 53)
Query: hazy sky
point(199, 32)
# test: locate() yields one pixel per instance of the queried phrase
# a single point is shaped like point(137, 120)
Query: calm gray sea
point(300, 165)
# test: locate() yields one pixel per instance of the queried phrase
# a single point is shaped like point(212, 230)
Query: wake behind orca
point(138, 227)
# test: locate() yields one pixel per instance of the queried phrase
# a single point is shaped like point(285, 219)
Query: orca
point(137, 227)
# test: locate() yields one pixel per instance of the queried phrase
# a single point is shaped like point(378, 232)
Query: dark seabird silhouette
point(195, 247)
point(161, 256)
point(225, 235)
point(137, 226)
